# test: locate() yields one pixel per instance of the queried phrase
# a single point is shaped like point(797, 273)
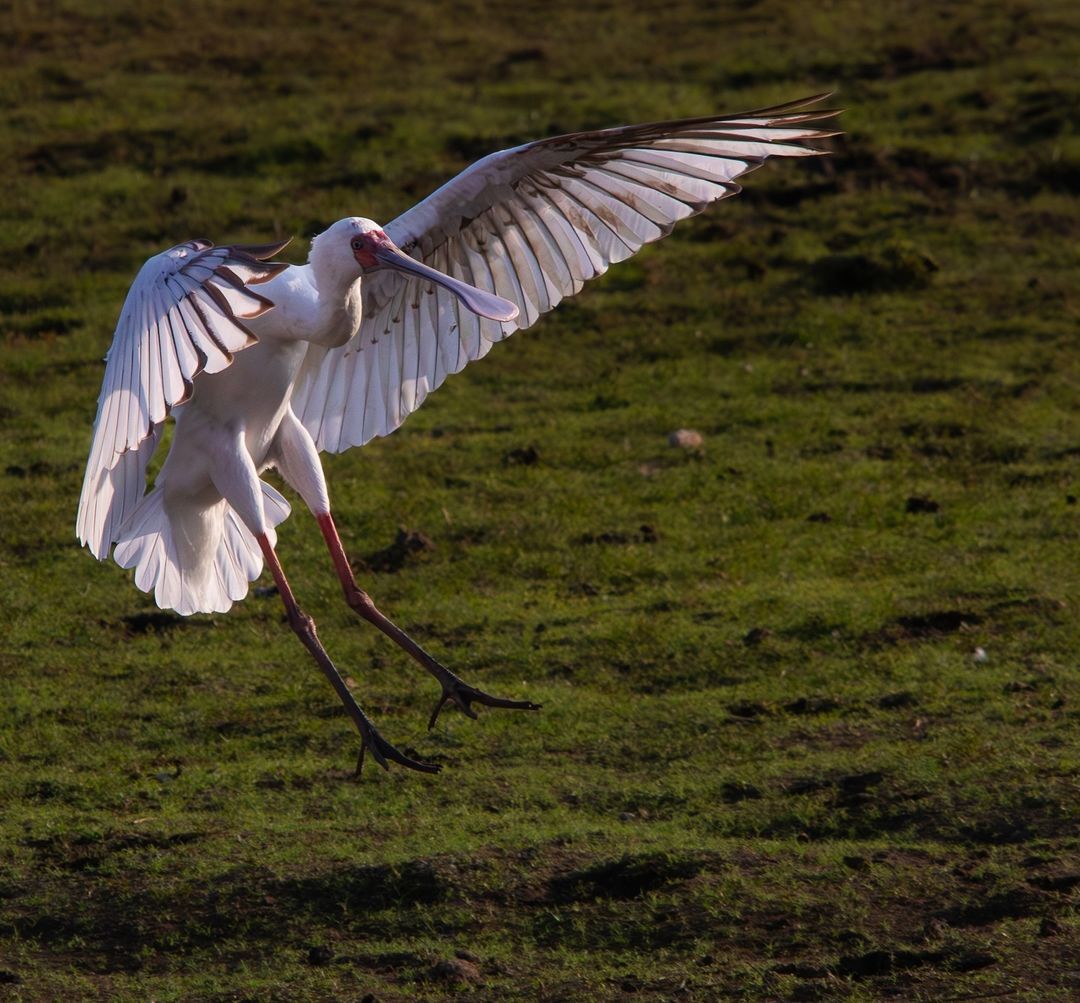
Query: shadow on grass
point(115, 923)
point(558, 898)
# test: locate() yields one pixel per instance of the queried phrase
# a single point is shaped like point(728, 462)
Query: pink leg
point(453, 687)
point(304, 628)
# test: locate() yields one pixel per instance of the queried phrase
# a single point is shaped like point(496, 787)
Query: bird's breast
point(249, 398)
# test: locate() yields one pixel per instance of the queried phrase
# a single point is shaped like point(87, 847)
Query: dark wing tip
point(261, 252)
point(788, 106)
point(269, 271)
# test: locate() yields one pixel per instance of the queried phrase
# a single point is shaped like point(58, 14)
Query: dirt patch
point(645, 534)
point(812, 705)
point(923, 626)
point(898, 700)
point(921, 505)
point(88, 853)
point(409, 546)
point(1017, 903)
point(523, 456)
point(891, 268)
point(625, 878)
point(736, 791)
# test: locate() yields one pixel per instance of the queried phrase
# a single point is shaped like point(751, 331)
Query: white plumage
point(265, 364)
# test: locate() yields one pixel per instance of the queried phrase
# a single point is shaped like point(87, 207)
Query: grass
point(809, 725)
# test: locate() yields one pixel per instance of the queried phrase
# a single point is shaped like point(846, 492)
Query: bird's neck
point(338, 307)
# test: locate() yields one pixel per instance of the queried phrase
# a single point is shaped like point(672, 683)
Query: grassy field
point(810, 691)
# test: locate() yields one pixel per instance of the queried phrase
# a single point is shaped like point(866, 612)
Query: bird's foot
point(463, 695)
point(382, 750)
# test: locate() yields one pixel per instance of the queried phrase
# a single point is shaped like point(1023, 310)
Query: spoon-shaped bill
point(479, 301)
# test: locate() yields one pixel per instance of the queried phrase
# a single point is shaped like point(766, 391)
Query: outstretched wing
point(530, 224)
point(183, 316)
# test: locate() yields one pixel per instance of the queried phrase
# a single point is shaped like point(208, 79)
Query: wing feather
point(592, 262)
point(374, 406)
point(155, 376)
point(549, 266)
point(183, 315)
point(531, 224)
point(577, 262)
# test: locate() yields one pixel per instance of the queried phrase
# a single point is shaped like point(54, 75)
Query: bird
point(262, 364)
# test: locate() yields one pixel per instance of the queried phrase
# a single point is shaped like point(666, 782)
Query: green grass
point(770, 764)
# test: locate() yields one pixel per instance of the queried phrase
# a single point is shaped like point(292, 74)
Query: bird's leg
point(304, 627)
point(453, 687)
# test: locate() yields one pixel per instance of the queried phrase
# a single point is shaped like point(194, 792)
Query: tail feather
point(206, 576)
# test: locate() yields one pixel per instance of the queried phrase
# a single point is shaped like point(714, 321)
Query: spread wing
point(183, 316)
point(530, 224)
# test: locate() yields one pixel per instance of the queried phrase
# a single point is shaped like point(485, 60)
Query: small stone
point(686, 438)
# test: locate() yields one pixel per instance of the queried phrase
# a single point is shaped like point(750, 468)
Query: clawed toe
point(464, 695)
point(382, 750)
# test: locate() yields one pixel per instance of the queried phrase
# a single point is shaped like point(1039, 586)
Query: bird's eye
point(357, 244)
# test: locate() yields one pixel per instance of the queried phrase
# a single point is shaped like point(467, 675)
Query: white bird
point(263, 365)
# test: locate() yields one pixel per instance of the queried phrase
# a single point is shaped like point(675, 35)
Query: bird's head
point(365, 240)
point(369, 247)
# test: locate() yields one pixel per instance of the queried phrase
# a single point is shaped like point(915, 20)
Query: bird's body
point(264, 365)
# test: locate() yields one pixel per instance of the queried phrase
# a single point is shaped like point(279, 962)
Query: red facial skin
point(364, 246)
